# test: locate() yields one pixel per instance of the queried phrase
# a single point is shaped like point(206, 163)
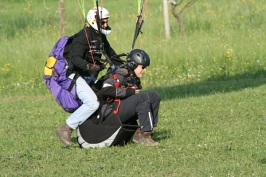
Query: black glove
point(93, 69)
point(102, 66)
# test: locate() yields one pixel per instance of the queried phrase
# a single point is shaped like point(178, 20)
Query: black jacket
point(125, 80)
point(79, 54)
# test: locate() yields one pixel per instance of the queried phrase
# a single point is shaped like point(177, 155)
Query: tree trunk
point(179, 19)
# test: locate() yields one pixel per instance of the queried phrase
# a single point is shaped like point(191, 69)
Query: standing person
point(84, 53)
point(124, 84)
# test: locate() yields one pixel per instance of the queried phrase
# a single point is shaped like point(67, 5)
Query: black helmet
point(137, 57)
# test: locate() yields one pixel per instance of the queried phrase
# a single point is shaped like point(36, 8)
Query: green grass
point(211, 80)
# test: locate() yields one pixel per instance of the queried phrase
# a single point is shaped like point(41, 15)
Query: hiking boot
point(145, 139)
point(64, 134)
point(136, 136)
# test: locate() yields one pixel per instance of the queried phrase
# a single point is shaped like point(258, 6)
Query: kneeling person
point(124, 84)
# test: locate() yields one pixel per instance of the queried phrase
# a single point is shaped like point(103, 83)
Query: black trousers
point(144, 107)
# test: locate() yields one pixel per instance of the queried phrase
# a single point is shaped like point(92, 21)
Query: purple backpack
point(55, 78)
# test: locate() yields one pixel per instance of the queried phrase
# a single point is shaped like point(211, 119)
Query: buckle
point(109, 100)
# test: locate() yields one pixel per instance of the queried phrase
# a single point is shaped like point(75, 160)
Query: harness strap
point(117, 100)
point(73, 82)
point(101, 116)
point(118, 105)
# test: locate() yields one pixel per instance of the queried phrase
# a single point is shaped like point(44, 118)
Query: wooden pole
point(62, 17)
point(166, 19)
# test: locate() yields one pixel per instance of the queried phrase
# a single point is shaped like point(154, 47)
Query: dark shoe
point(145, 139)
point(136, 136)
point(64, 134)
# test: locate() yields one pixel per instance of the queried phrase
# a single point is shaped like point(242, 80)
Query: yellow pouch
point(48, 69)
point(50, 62)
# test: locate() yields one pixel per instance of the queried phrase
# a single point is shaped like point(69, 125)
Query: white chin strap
point(106, 31)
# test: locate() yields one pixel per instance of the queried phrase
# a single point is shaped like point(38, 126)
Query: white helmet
point(91, 18)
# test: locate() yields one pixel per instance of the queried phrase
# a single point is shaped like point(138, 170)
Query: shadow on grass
point(161, 135)
point(263, 160)
point(213, 85)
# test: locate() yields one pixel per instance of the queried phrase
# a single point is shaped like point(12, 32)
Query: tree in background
point(177, 14)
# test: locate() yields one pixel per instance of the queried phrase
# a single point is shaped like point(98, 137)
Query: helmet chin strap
point(106, 30)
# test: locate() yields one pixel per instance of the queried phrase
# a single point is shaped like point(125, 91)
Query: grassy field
point(211, 80)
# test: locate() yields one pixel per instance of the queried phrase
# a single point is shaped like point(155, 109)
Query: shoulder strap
point(73, 82)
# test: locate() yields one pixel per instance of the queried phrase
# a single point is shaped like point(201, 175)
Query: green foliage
point(211, 82)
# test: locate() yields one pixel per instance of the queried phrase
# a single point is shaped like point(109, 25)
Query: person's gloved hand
point(102, 66)
point(93, 69)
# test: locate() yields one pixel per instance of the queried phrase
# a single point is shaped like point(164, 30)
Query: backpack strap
point(73, 82)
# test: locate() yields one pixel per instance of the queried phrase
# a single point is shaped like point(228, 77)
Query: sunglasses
point(104, 22)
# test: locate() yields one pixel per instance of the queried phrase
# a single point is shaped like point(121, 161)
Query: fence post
point(166, 19)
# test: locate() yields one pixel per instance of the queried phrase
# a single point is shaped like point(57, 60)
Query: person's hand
point(137, 91)
point(93, 69)
point(102, 66)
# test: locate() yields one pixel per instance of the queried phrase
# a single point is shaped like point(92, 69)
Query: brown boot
point(145, 139)
point(64, 134)
point(136, 136)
